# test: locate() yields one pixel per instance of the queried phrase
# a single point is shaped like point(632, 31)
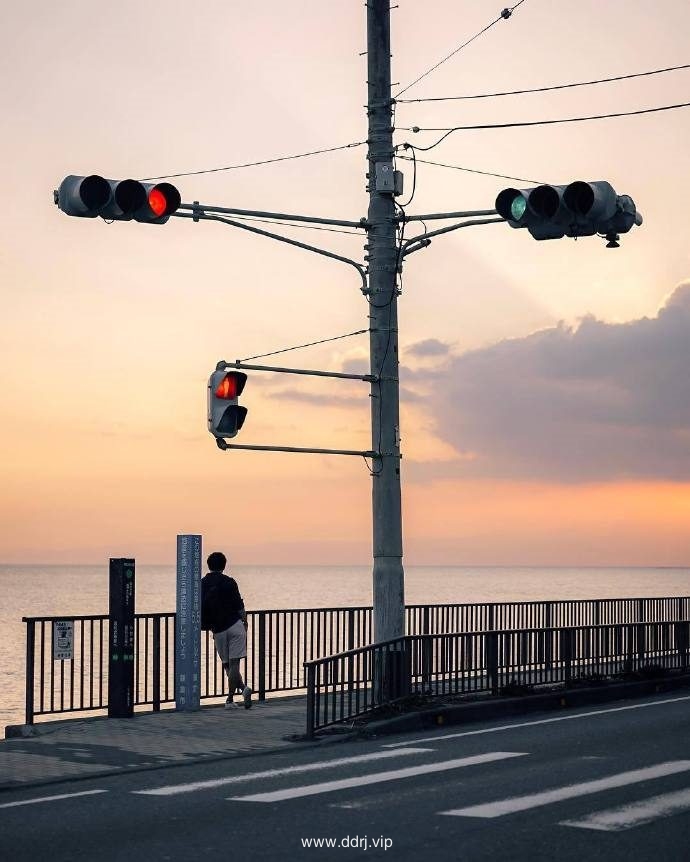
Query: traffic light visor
point(230, 386)
point(164, 199)
point(511, 204)
point(544, 201)
point(94, 191)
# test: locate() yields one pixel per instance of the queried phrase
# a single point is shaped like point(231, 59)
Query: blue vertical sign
point(188, 624)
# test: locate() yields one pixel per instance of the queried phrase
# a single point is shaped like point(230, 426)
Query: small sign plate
point(63, 640)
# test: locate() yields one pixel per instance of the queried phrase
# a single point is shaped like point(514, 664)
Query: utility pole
point(388, 576)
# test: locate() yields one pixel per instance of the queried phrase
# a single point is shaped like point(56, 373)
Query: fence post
point(492, 660)
point(311, 699)
point(156, 663)
point(350, 646)
point(682, 640)
point(426, 652)
point(567, 650)
point(262, 655)
point(548, 646)
point(30, 649)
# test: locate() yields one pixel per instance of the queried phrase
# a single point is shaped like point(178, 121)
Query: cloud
point(595, 402)
point(429, 347)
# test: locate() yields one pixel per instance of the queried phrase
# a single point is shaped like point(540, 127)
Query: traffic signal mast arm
point(226, 384)
point(198, 208)
point(200, 215)
point(415, 243)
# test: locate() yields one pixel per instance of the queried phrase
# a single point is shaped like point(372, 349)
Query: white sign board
point(63, 640)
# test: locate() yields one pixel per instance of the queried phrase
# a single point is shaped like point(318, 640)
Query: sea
point(64, 590)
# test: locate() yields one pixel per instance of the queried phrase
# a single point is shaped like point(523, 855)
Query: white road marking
point(50, 798)
point(173, 789)
point(570, 791)
point(635, 814)
point(437, 738)
point(375, 778)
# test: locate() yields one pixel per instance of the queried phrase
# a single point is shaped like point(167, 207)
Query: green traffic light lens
point(518, 207)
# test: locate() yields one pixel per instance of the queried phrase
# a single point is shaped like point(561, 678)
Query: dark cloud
point(429, 347)
point(593, 402)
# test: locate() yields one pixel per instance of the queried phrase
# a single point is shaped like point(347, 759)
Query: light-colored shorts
point(232, 643)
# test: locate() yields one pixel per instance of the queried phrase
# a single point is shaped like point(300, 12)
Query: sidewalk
point(100, 745)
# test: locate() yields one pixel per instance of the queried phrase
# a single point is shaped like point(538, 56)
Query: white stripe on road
point(534, 723)
point(635, 814)
point(173, 789)
point(570, 791)
point(375, 778)
point(50, 798)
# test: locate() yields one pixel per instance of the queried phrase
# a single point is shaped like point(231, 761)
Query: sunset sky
point(545, 385)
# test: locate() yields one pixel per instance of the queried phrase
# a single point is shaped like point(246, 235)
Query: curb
point(192, 761)
point(467, 713)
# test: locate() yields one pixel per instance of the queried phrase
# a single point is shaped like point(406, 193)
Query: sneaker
point(229, 704)
point(247, 697)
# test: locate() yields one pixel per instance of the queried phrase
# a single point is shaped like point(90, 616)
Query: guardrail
point(355, 682)
point(279, 643)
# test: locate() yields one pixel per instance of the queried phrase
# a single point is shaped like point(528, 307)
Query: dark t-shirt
point(221, 602)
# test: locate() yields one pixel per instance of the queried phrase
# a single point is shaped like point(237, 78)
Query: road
point(611, 782)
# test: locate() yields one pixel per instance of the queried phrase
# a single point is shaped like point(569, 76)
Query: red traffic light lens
point(227, 388)
point(157, 201)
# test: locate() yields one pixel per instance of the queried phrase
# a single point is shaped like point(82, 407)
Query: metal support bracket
point(220, 442)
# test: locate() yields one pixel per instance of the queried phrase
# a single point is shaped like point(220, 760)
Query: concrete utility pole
point(388, 576)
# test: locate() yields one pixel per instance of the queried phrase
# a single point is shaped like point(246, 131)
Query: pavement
point(94, 746)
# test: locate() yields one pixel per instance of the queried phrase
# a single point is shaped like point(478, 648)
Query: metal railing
point(349, 685)
point(279, 643)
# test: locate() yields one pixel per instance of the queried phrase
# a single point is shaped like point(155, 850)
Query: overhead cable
point(300, 346)
point(546, 89)
point(449, 131)
point(505, 14)
point(470, 170)
point(254, 164)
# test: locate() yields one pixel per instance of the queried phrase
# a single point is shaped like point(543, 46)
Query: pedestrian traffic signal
point(117, 200)
point(225, 416)
point(578, 209)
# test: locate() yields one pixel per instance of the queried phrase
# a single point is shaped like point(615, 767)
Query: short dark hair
point(216, 562)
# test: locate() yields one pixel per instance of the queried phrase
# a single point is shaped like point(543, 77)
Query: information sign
point(188, 624)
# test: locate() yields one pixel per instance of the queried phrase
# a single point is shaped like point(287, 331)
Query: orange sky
point(109, 333)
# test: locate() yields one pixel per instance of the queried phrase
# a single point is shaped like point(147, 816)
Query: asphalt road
point(602, 783)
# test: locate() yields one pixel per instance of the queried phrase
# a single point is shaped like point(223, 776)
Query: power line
point(293, 224)
point(300, 346)
point(535, 123)
point(254, 164)
point(505, 14)
point(546, 89)
point(471, 170)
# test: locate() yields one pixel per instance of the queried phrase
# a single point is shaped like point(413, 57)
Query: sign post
point(188, 624)
point(121, 639)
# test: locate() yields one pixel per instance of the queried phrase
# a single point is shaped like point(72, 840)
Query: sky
point(544, 385)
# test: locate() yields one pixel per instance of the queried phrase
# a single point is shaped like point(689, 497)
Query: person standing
point(223, 613)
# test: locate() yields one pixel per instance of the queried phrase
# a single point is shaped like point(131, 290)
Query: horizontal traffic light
point(225, 415)
point(578, 209)
point(117, 200)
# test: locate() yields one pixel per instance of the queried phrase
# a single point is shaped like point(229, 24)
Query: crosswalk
point(645, 795)
point(606, 819)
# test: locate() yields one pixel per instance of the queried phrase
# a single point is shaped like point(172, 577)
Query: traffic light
point(225, 416)
point(578, 209)
point(117, 200)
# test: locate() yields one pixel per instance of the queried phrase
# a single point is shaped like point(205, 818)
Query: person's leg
point(235, 680)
